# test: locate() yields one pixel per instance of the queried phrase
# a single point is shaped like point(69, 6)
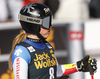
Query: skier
point(32, 57)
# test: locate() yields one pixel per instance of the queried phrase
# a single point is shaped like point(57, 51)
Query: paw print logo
point(52, 53)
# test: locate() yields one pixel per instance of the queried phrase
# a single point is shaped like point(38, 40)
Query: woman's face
point(45, 32)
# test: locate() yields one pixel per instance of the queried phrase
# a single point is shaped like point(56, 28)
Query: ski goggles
point(45, 22)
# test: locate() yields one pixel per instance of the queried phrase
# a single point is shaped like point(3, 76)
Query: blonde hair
point(19, 38)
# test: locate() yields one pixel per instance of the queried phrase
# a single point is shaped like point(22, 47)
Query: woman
point(33, 57)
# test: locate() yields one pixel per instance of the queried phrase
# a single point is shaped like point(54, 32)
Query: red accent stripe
point(69, 71)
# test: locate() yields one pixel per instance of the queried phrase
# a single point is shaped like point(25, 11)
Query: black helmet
point(33, 16)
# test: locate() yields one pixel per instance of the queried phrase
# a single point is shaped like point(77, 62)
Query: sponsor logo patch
point(31, 49)
point(18, 52)
point(18, 68)
point(48, 45)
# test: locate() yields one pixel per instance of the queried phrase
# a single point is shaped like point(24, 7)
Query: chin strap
point(40, 36)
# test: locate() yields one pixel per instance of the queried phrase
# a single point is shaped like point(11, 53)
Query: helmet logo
point(34, 20)
point(46, 10)
point(28, 8)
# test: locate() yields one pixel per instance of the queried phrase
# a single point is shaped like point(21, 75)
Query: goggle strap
point(30, 19)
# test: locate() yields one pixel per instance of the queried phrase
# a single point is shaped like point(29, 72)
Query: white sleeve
point(20, 68)
point(60, 69)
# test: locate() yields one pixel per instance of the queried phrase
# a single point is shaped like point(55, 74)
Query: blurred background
point(75, 32)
